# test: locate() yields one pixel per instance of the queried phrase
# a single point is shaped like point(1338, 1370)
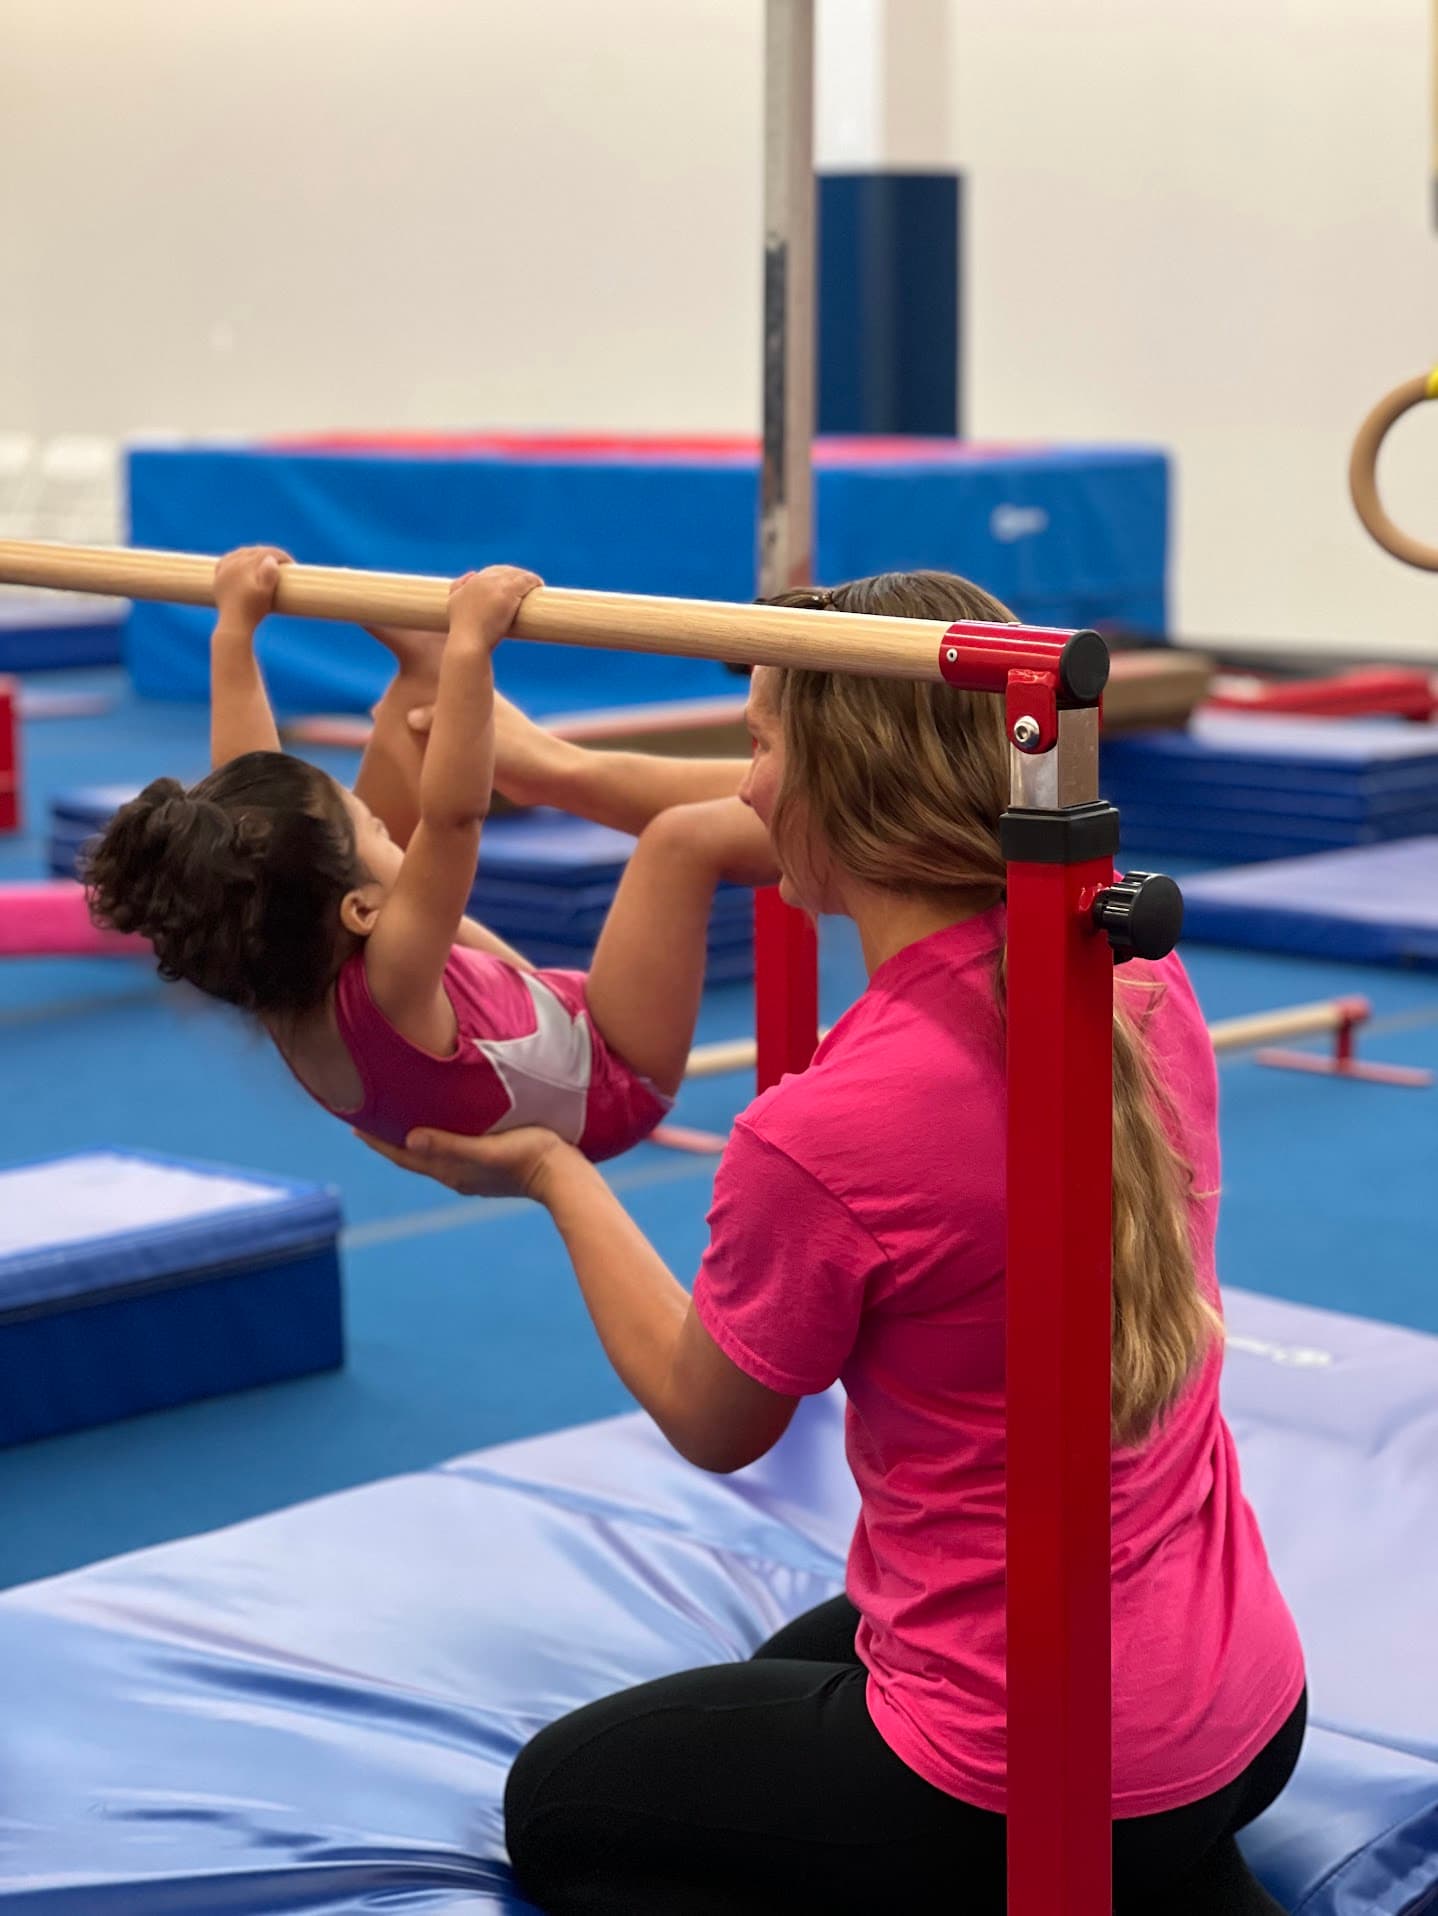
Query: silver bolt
point(1026, 733)
point(951, 657)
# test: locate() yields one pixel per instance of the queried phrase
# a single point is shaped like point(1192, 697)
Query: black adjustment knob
point(1142, 912)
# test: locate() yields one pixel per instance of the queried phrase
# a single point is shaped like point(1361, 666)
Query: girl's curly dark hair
point(237, 883)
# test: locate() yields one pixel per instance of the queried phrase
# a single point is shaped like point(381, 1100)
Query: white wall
point(1204, 223)
point(282, 214)
point(1196, 222)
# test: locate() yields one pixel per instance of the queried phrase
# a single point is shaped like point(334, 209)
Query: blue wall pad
point(1241, 788)
point(1067, 536)
point(1366, 907)
point(129, 1282)
point(44, 632)
point(315, 1711)
point(889, 264)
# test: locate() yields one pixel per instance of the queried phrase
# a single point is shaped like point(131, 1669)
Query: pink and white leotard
point(527, 1053)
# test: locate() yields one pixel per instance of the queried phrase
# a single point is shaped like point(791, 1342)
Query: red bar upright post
point(9, 756)
point(786, 987)
point(1059, 840)
point(1060, 1169)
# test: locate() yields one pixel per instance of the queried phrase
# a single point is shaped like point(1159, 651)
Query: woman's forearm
point(637, 1304)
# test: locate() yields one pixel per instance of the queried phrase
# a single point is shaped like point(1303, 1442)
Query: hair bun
point(157, 795)
point(236, 883)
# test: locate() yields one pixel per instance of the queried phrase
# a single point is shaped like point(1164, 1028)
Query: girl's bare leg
point(388, 777)
point(648, 972)
point(622, 789)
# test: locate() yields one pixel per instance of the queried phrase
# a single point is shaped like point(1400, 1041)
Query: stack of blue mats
point(312, 1714)
point(77, 817)
point(129, 1282)
point(1376, 906)
point(43, 631)
point(1235, 788)
point(546, 881)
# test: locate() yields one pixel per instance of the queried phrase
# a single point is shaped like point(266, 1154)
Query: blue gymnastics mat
point(1377, 906)
point(546, 882)
point(315, 1712)
point(1066, 535)
point(77, 816)
point(50, 632)
point(1239, 788)
point(129, 1282)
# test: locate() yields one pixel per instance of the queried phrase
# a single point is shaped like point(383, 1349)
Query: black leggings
point(764, 1788)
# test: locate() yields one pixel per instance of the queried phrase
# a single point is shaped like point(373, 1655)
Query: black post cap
point(1083, 668)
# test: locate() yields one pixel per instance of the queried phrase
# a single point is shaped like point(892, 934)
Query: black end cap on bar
point(1068, 837)
point(1083, 668)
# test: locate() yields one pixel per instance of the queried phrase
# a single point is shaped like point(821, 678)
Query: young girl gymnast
point(338, 917)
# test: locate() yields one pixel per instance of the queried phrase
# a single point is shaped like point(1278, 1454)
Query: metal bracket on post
point(1031, 711)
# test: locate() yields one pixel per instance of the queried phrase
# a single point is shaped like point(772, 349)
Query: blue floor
point(465, 1327)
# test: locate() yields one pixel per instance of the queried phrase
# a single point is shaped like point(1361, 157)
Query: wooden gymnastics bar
point(691, 628)
point(1338, 1015)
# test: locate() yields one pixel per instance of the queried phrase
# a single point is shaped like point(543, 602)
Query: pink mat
point(48, 919)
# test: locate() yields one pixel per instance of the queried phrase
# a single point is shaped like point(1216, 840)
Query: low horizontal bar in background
point(1230, 1034)
point(638, 727)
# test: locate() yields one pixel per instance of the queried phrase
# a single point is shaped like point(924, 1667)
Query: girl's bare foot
point(418, 652)
point(530, 764)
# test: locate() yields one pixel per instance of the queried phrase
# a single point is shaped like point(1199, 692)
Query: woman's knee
point(527, 1785)
point(527, 1800)
point(563, 1793)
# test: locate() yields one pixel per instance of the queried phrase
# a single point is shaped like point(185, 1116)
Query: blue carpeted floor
point(464, 1324)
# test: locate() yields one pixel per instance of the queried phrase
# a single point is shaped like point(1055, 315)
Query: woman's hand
point(514, 1163)
point(483, 605)
point(245, 582)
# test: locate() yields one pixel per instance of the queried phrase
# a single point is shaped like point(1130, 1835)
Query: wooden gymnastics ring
point(1363, 471)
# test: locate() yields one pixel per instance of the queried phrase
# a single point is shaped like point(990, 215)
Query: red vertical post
point(1353, 1012)
point(786, 987)
point(9, 756)
point(1060, 1171)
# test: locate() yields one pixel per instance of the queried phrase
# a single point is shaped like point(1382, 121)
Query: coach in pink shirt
point(857, 1233)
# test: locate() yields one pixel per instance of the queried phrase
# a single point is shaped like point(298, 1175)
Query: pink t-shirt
point(857, 1233)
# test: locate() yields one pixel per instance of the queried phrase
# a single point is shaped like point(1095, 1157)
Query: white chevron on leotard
point(545, 1073)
